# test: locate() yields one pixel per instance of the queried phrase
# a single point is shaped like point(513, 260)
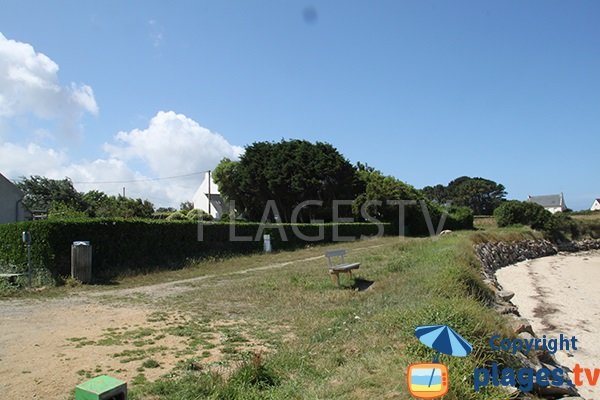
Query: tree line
point(287, 173)
point(481, 195)
point(290, 172)
point(58, 198)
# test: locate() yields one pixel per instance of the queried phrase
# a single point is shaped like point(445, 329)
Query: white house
point(11, 202)
point(596, 205)
point(553, 202)
point(208, 198)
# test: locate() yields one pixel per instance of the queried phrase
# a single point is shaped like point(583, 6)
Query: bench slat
point(346, 267)
point(335, 253)
point(10, 275)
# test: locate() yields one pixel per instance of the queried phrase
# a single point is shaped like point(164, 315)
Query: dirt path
point(180, 286)
point(48, 347)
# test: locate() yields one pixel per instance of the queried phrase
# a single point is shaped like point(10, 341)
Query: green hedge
point(137, 246)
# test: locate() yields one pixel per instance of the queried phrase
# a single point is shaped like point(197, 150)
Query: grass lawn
point(273, 326)
point(588, 216)
point(320, 342)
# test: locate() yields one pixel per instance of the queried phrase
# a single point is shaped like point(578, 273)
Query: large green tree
point(438, 193)
point(40, 192)
point(288, 172)
point(481, 195)
point(381, 196)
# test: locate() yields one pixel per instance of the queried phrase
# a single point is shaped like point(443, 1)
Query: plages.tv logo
point(430, 380)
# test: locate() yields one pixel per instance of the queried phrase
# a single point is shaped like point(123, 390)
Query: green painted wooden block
point(102, 388)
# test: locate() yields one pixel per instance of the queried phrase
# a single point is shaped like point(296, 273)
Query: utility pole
point(209, 192)
point(123, 191)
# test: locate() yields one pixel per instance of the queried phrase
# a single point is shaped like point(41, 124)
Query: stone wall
point(580, 245)
point(495, 255)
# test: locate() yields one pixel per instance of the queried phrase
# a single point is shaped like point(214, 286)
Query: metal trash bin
point(81, 261)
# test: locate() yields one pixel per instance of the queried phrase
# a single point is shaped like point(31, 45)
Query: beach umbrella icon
point(443, 339)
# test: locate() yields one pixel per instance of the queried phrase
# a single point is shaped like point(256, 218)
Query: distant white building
point(208, 198)
point(596, 205)
point(11, 202)
point(553, 202)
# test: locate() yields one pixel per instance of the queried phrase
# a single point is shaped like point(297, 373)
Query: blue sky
point(422, 90)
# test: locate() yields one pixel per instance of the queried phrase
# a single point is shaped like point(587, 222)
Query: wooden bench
point(342, 268)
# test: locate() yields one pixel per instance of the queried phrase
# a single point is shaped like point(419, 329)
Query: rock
point(505, 295)
point(491, 284)
point(528, 362)
point(520, 325)
point(506, 309)
point(525, 335)
point(547, 358)
point(511, 391)
point(579, 245)
point(555, 391)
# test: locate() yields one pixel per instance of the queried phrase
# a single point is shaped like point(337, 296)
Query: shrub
point(60, 210)
point(69, 281)
point(459, 218)
point(525, 213)
point(538, 217)
point(177, 216)
point(562, 227)
point(161, 215)
point(150, 363)
point(199, 215)
point(559, 226)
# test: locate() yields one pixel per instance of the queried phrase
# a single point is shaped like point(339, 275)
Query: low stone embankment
point(580, 245)
point(495, 255)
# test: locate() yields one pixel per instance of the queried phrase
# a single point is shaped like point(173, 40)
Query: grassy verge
point(317, 341)
point(588, 223)
point(484, 222)
point(193, 269)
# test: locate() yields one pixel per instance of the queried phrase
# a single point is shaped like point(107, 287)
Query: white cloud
point(17, 160)
point(171, 145)
point(29, 85)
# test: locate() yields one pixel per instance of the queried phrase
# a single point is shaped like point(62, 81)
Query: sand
point(561, 294)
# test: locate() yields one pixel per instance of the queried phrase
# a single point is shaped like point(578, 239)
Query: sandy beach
point(561, 294)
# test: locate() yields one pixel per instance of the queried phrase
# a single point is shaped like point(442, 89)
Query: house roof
point(4, 181)
point(551, 200)
point(203, 188)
